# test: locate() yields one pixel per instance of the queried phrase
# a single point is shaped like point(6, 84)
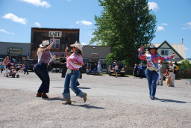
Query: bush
point(185, 65)
point(110, 58)
point(185, 69)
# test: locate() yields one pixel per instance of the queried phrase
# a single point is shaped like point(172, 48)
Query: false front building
point(62, 38)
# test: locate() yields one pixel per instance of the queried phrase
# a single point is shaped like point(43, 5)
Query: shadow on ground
point(87, 106)
point(78, 87)
point(84, 88)
point(172, 101)
point(55, 98)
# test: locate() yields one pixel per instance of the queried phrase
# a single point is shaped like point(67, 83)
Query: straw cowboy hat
point(44, 43)
point(77, 45)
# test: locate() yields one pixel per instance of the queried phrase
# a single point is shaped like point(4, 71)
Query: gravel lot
point(112, 103)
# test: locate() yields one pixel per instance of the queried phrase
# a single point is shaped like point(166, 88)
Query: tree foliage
point(124, 25)
point(185, 65)
point(185, 69)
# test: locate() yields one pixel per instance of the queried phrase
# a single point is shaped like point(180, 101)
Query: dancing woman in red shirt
point(152, 58)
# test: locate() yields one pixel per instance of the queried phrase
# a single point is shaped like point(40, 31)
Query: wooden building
point(63, 38)
point(95, 53)
point(16, 51)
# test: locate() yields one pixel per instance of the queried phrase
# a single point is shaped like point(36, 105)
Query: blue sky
point(18, 16)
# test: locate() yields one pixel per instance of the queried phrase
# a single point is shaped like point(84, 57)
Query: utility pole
point(182, 40)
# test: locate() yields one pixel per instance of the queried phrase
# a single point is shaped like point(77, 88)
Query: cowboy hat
point(44, 43)
point(152, 47)
point(77, 45)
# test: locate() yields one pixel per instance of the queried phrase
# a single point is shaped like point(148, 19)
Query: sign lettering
point(15, 51)
point(55, 34)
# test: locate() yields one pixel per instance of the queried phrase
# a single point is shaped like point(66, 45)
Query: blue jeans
point(71, 82)
point(152, 77)
point(41, 71)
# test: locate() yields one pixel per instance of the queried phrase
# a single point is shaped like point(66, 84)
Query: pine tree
point(124, 25)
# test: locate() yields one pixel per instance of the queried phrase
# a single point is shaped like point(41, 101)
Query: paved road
point(112, 103)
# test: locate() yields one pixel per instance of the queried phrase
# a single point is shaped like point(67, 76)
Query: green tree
point(185, 69)
point(124, 25)
point(185, 65)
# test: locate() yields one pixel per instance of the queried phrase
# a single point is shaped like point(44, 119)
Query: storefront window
point(56, 44)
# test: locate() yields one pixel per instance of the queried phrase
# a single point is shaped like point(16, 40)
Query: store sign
point(55, 34)
point(15, 51)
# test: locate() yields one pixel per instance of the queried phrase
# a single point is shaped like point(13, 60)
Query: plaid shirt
point(153, 60)
point(72, 60)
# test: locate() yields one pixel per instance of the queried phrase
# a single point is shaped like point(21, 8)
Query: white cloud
point(84, 22)
point(187, 25)
point(164, 24)
point(37, 24)
point(15, 18)
point(153, 6)
point(160, 28)
point(38, 3)
point(6, 32)
point(83, 43)
point(186, 48)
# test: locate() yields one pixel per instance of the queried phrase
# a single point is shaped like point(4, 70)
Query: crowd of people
point(153, 70)
point(12, 69)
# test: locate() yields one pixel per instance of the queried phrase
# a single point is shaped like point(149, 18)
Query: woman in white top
point(41, 68)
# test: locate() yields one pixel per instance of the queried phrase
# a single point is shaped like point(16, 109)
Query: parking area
point(121, 102)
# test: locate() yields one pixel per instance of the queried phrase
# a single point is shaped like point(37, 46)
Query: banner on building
point(14, 51)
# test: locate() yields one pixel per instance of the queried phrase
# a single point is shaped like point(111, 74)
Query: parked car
point(91, 68)
point(121, 69)
point(141, 71)
point(30, 63)
point(1, 60)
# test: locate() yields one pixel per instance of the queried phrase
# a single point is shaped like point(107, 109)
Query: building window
point(164, 52)
point(56, 44)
